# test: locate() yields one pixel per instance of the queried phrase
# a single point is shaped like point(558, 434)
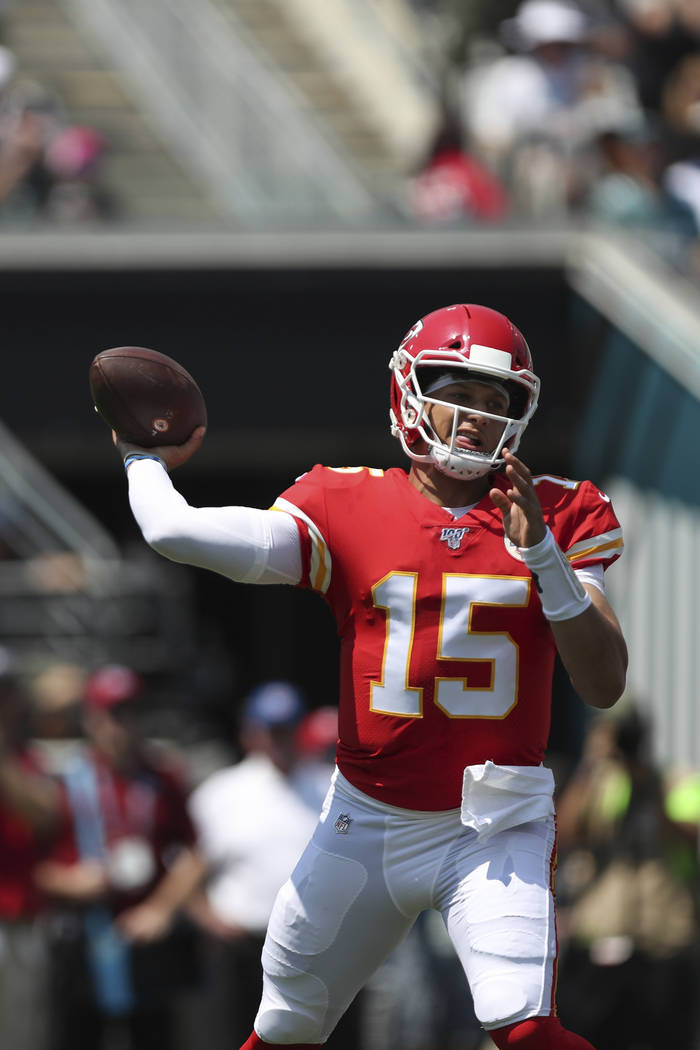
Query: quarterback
point(454, 585)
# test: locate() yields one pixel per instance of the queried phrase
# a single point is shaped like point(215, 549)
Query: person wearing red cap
point(123, 862)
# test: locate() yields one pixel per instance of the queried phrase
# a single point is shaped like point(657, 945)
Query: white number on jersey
point(457, 640)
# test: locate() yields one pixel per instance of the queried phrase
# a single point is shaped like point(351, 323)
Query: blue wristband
point(131, 456)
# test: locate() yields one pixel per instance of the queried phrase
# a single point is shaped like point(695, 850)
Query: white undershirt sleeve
point(592, 574)
point(246, 544)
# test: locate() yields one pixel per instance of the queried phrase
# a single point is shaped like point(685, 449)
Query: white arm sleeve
point(246, 544)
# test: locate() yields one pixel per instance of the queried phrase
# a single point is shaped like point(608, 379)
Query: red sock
point(254, 1042)
point(538, 1033)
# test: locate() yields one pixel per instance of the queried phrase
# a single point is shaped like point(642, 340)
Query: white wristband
point(562, 594)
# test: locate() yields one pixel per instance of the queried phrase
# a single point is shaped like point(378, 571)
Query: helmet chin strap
point(459, 469)
point(465, 465)
point(449, 460)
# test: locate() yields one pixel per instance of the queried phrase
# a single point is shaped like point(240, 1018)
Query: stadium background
point(252, 220)
point(265, 243)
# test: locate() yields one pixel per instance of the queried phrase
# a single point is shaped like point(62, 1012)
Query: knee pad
point(294, 1004)
point(538, 1033)
point(496, 1002)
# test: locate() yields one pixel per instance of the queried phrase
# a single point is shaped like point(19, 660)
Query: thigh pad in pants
point(501, 921)
point(333, 922)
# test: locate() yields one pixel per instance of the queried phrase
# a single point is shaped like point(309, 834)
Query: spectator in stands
point(683, 805)
point(283, 778)
point(50, 170)
point(21, 140)
point(29, 116)
point(317, 736)
point(123, 860)
point(660, 34)
point(533, 114)
point(632, 192)
point(56, 693)
point(628, 923)
point(681, 114)
point(453, 187)
point(75, 193)
point(628, 191)
point(29, 811)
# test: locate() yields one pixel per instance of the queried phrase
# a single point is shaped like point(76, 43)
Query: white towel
point(498, 797)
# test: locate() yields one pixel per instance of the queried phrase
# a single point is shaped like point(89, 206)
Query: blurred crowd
point(138, 874)
point(570, 111)
point(50, 167)
point(552, 111)
point(131, 914)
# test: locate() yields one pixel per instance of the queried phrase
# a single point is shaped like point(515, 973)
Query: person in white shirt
point(253, 820)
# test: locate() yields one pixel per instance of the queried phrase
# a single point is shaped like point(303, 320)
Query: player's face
point(470, 398)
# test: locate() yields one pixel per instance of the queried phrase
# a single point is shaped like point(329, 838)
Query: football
point(146, 396)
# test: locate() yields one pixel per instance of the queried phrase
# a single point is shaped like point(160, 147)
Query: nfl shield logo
point(453, 537)
point(342, 824)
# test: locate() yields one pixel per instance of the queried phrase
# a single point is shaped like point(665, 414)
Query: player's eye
point(498, 407)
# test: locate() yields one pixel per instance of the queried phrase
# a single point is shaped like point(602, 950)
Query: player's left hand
point(520, 507)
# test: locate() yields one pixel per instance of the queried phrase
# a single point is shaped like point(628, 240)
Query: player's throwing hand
point(171, 455)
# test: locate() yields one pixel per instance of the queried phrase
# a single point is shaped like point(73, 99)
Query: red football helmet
point(469, 342)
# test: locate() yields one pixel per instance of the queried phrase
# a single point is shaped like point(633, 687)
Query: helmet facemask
point(410, 419)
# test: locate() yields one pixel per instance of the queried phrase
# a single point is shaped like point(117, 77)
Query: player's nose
point(474, 413)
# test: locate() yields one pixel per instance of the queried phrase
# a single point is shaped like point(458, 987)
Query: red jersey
point(446, 657)
point(149, 803)
point(455, 185)
point(20, 850)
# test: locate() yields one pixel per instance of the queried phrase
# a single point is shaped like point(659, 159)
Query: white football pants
point(367, 873)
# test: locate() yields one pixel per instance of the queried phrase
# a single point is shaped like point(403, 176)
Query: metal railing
point(67, 592)
point(231, 119)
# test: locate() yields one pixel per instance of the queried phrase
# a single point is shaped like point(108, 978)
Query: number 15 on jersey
point(457, 640)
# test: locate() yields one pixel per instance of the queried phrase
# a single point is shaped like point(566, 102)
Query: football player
point(453, 585)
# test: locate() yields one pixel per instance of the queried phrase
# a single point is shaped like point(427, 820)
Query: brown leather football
point(146, 396)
